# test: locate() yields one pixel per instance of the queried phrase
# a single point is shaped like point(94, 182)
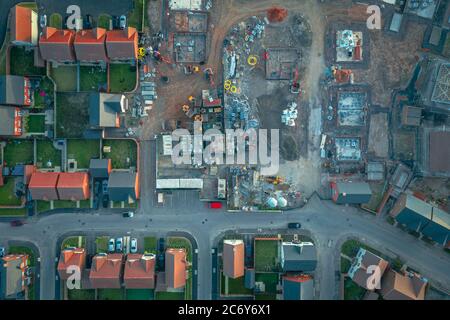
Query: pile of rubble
point(290, 114)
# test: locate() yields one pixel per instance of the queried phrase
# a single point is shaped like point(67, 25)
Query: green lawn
point(65, 78)
point(35, 123)
point(81, 294)
point(270, 280)
point(72, 114)
point(47, 155)
point(235, 286)
point(45, 94)
point(62, 204)
point(352, 291)
point(24, 250)
point(7, 194)
point(92, 78)
point(351, 247)
point(150, 245)
point(103, 21)
point(179, 242)
point(101, 244)
point(13, 212)
point(122, 77)
point(266, 255)
point(83, 151)
point(110, 294)
point(265, 296)
point(345, 265)
point(18, 152)
point(169, 296)
point(123, 153)
point(85, 203)
point(140, 294)
point(42, 206)
point(135, 16)
point(22, 62)
point(73, 242)
point(55, 21)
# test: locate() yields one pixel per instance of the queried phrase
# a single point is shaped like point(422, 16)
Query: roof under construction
point(441, 91)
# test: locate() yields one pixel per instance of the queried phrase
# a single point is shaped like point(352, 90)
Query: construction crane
point(295, 85)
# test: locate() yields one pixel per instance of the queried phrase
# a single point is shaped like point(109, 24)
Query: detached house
point(105, 108)
point(71, 257)
point(140, 271)
point(57, 45)
point(43, 186)
point(106, 271)
point(298, 287)
point(24, 26)
point(90, 46)
point(233, 258)
point(359, 271)
point(122, 45)
point(13, 275)
point(175, 268)
point(350, 192)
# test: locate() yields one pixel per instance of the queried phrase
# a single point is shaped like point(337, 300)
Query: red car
point(215, 205)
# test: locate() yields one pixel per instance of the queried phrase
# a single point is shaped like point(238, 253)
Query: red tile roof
point(140, 271)
point(90, 45)
point(73, 186)
point(43, 185)
point(106, 271)
point(71, 257)
point(122, 44)
point(29, 170)
point(396, 286)
point(175, 268)
point(233, 258)
point(57, 44)
point(22, 27)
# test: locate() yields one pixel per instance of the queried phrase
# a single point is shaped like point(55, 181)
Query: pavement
point(94, 8)
point(325, 221)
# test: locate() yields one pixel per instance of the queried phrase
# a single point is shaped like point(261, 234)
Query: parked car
point(111, 245)
point(88, 22)
point(128, 214)
point(294, 225)
point(161, 244)
point(133, 245)
point(215, 205)
point(105, 186)
point(17, 223)
point(43, 21)
point(105, 201)
point(119, 246)
point(123, 22)
point(2, 252)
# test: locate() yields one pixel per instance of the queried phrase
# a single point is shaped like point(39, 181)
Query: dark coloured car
point(161, 244)
point(105, 186)
point(294, 225)
point(2, 252)
point(17, 223)
point(105, 201)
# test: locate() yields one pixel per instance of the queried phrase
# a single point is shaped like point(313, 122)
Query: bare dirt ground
point(378, 143)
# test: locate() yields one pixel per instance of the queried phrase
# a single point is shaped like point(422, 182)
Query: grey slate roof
point(98, 168)
point(7, 120)
point(121, 185)
point(353, 192)
point(298, 258)
point(103, 109)
point(294, 290)
point(10, 278)
point(12, 90)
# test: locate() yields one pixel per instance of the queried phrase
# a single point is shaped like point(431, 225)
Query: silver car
point(123, 22)
point(119, 246)
point(133, 245)
point(111, 245)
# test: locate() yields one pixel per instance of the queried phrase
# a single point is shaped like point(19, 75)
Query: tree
point(276, 14)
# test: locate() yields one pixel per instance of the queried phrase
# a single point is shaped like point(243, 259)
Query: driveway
point(4, 11)
point(94, 8)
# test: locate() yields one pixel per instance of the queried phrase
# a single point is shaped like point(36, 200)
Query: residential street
point(323, 219)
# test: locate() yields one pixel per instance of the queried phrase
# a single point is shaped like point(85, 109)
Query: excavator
point(295, 85)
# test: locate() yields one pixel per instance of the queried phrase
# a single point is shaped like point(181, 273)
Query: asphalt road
point(326, 222)
point(94, 8)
